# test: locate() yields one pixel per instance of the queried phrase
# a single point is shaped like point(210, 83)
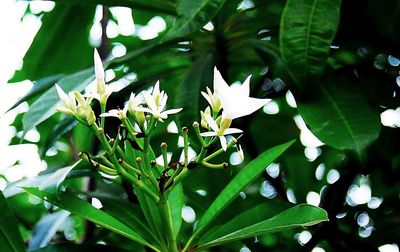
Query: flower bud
point(91, 118)
point(140, 117)
point(203, 121)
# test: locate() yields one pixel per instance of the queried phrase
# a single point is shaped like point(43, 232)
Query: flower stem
point(102, 118)
point(139, 185)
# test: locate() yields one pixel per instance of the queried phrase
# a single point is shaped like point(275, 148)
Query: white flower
point(118, 113)
point(156, 102)
point(219, 131)
point(203, 121)
point(240, 152)
point(103, 91)
point(235, 100)
point(68, 101)
point(83, 110)
point(212, 99)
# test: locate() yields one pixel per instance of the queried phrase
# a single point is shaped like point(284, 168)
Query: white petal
point(163, 101)
point(222, 139)
point(232, 131)
point(79, 97)
point(63, 96)
point(173, 111)
point(208, 134)
point(211, 122)
point(247, 107)
point(113, 113)
point(207, 97)
point(245, 87)
point(98, 66)
point(220, 86)
point(150, 101)
point(144, 109)
point(156, 89)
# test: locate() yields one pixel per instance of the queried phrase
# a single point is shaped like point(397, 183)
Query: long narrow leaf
point(249, 173)
point(10, 238)
point(299, 216)
point(82, 208)
point(46, 228)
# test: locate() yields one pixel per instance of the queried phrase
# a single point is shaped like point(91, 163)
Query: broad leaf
point(247, 175)
point(298, 216)
point(10, 238)
point(85, 210)
point(192, 16)
point(46, 228)
point(306, 33)
point(61, 45)
point(341, 118)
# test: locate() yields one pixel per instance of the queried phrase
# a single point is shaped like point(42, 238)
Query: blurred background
point(44, 42)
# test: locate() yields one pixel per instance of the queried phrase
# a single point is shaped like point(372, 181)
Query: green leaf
point(340, 117)
point(192, 16)
point(302, 215)
point(252, 216)
point(151, 5)
point(43, 107)
point(306, 33)
point(55, 180)
point(83, 209)
point(59, 130)
point(38, 87)
point(247, 175)
point(10, 238)
point(46, 228)
point(61, 45)
point(129, 214)
point(68, 247)
point(176, 201)
point(189, 90)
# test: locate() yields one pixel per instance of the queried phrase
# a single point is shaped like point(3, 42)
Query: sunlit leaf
point(61, 45)
point(43, 107)
point(55, 180)
point(46, 228)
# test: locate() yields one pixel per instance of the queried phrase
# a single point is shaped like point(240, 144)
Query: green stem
point(147, 165)
point(102, 118)
point(168, 222)
point(132, 132)
point(139, 185)
point(220, 151)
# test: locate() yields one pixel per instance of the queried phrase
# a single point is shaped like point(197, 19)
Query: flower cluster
point(129, 153)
